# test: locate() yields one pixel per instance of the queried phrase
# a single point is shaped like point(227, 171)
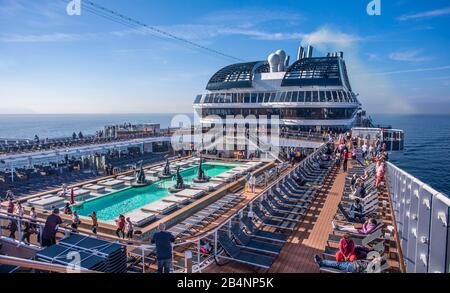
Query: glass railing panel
point(438, 235)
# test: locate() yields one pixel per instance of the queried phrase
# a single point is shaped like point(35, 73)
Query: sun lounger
point(251, 244)
point(281, 215)
point(190, 193)
point(208, 186)
point(245, 257)
point(271, 222)
point(139, 218)
point(113, 184)
point(159, 207)
point(94, 187)
point(258, 233)
point(127, 178)
point(176, 199)
point(47, 203)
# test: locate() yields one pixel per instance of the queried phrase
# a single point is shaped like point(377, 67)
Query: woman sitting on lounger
point(367, 227)
point(346, 250)
point(355, 211)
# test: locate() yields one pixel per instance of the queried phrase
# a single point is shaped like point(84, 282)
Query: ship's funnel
point(301, 53)
point(286, 62)
point(309, 52)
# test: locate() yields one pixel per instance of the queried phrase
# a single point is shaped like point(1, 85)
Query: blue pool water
point(111, 206)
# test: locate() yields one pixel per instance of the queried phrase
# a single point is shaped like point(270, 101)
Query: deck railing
point(421, 217)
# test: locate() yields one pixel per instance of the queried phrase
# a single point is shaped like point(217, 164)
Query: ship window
point(308, 97)
point(240, 97)
point(315, 96)
point(207, 98)
point(329, 98)
point(301, 97)
point(197, 99)
point(227, 98)
point(266, 97)
point(322, 96)
point(289, 97)
point(335, 97)
point(341, 99)
point(272, 97)
point(283, 97)
point(295, 97)
point(260, 97)
point(246, 98)
point(234, 98)
point(253, 98)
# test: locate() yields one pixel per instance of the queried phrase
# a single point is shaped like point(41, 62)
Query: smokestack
point(310, 51)
point(286, 63)
point(341, 54)
point(301, 53)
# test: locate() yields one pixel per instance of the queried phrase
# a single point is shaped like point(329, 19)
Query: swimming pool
point(111, 206)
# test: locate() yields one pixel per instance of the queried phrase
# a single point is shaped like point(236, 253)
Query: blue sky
point(50, 62)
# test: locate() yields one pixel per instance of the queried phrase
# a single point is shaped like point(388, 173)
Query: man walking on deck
point(163, 241)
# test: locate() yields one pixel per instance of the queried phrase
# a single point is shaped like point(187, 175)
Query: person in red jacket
point(344, 165)
point(346, 250)
point(120, 223)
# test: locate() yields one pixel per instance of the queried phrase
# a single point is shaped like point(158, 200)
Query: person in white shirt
point(364, 150)
point(130, 228)
point(19, 210)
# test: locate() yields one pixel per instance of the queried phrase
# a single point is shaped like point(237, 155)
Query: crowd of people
point(363, 190)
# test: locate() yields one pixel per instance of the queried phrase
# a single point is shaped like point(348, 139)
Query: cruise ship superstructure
point(311, 93)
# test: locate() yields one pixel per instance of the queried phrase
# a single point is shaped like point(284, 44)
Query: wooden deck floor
point(309, 237)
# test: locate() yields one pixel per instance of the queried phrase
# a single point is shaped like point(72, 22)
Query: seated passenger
point(356, 211)
point(357, 266)
point(353, 180)
point(67, 209)
point(365, 176)
point(346, 250)
point(366, 228)
point(360, 191)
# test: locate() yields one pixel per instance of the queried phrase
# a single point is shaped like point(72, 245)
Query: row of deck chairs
point(24, 146)
point(193, 224)
point(256, 238)
point(207, 215)
point(373, 240)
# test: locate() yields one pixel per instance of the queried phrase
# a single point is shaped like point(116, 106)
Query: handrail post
point(143, 259)
point(198, 253)
point(215, 242)
point(188, 261)
point(19, 229)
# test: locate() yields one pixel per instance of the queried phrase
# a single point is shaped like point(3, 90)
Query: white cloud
point(377, 93)
point(409, 56)
point(425, 14)
point(326, 38)
point(439, 68)
point(205, 32)
point(42, 38)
